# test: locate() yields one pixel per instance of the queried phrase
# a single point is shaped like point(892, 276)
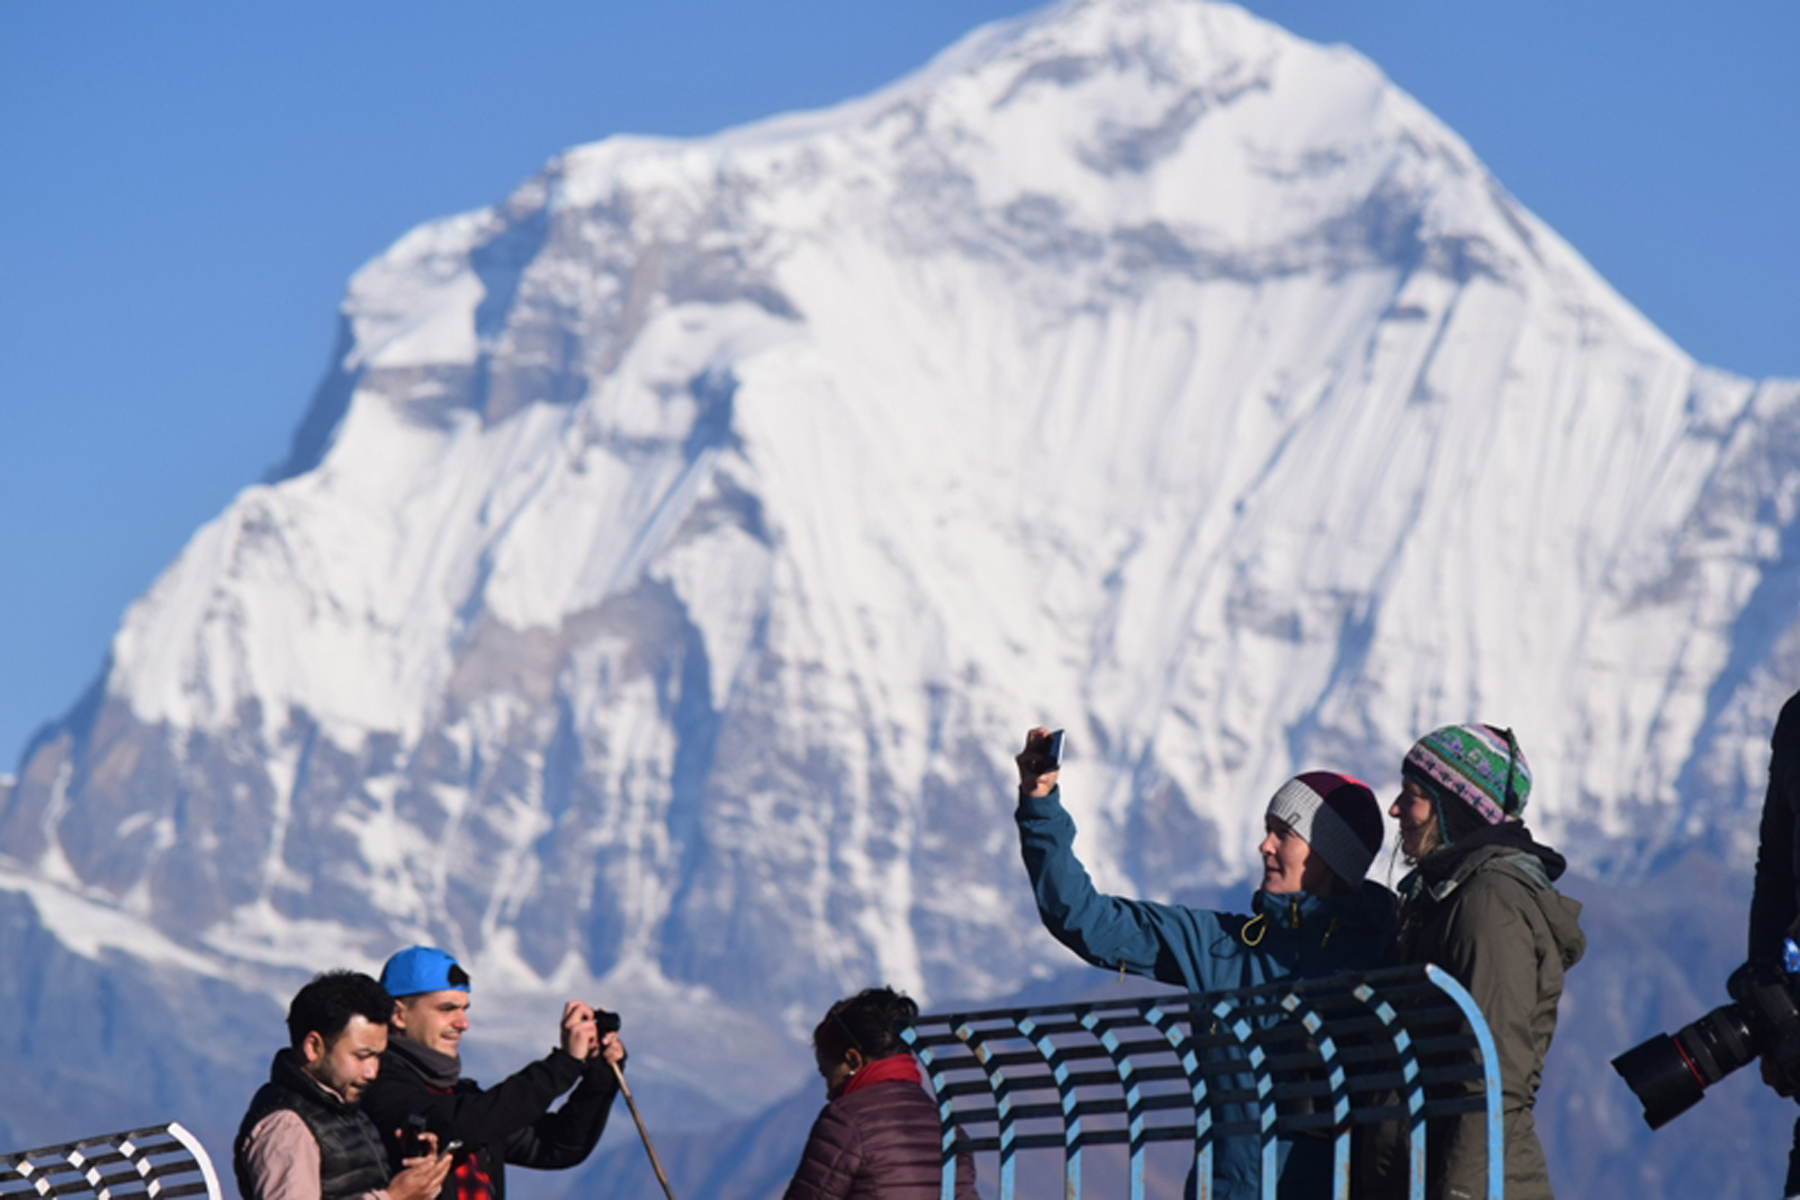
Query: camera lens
point(1670, 1074)
point(1718, 1043)
point(1659, 1076)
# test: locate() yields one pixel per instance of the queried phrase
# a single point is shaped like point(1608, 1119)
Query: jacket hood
point(1560, 913)
point(1508, 837)
point(1507, 847)
point(1564, 917)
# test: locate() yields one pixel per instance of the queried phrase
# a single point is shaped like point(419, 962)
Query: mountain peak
point(664, 577)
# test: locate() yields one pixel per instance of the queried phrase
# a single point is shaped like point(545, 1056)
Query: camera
point(606, 1022)
point(1670, 1073)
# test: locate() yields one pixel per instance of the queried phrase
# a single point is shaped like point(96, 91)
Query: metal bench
point(1317, 1057)
point(160, 1162)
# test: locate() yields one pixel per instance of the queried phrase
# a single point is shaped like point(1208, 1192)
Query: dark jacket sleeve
point(1775, 902)
point(567, 1136)
point(829, 1162)
point(1166, 942)
point(501, 1115)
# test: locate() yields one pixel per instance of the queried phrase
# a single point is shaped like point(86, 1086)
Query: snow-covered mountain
point(666, 572)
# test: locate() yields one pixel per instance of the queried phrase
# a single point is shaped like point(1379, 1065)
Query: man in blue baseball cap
point(421, 1085)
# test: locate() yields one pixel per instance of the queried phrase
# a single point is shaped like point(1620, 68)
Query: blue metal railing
point(159, 1162)
point(1316, 1058)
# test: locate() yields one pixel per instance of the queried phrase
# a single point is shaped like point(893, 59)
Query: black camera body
point(1670, 1073)
point(605, 1021)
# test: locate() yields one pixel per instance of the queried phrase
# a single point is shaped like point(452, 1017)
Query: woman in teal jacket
point(1313, 915)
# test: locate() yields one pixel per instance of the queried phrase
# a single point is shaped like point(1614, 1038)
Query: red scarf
point(895, 1068)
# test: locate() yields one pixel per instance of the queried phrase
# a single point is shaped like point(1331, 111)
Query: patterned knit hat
point(1338, 817)
point(1479, 765)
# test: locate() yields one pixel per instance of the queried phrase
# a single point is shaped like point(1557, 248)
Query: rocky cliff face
point(661, 582)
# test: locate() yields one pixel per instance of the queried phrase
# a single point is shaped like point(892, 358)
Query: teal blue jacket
point(1297, 936)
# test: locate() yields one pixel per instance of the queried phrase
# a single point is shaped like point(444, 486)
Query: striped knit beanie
point(1338, 817)
point(1479, 766)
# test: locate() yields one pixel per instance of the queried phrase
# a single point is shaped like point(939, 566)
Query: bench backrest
point(160, 1162)
point(1319, 1057)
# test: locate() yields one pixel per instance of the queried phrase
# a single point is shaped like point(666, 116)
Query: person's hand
point(423, 1177)
point(580, 1038)
point(612, 1049)
point(1031, 760)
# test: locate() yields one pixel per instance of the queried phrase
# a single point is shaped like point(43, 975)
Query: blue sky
point(188, 185)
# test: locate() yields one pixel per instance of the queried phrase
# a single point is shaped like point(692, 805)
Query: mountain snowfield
point(666, 573)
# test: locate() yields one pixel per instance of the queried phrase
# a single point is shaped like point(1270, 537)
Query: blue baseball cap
point(419, 969)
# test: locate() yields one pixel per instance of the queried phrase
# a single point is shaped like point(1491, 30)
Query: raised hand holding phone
point(1040, 761)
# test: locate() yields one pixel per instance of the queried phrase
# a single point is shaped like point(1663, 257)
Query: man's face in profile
point(434, 1019)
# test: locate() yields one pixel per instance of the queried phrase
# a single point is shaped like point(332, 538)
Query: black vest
point(351, 1160)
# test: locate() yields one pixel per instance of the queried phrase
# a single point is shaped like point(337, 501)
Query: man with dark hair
point(303, 1137)
point(511, 1122)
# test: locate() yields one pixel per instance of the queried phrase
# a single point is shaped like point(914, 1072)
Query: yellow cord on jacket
point(1259, 923)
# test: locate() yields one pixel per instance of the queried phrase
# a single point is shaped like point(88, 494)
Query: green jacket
point(1486, 911)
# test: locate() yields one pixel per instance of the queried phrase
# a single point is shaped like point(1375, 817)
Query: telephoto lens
point(1669, 1075)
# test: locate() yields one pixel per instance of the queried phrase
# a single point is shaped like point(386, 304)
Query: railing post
point(1134, 1100)
point(1490, 1064)
point(1065, 1091)
point(972, 1038)
point(1166, 1023)
point(947, 1131)
point(1225, 1019)
point(1412, 1093)
point(1315, 1026)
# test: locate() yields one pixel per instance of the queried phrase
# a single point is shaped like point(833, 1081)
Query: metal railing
point(1303, 1060)
point(160, 1162)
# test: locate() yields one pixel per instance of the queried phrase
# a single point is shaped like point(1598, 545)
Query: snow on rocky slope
point(662, 580)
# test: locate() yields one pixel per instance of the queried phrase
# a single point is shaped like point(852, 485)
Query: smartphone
point(1050, 751)
point(412, 1138)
